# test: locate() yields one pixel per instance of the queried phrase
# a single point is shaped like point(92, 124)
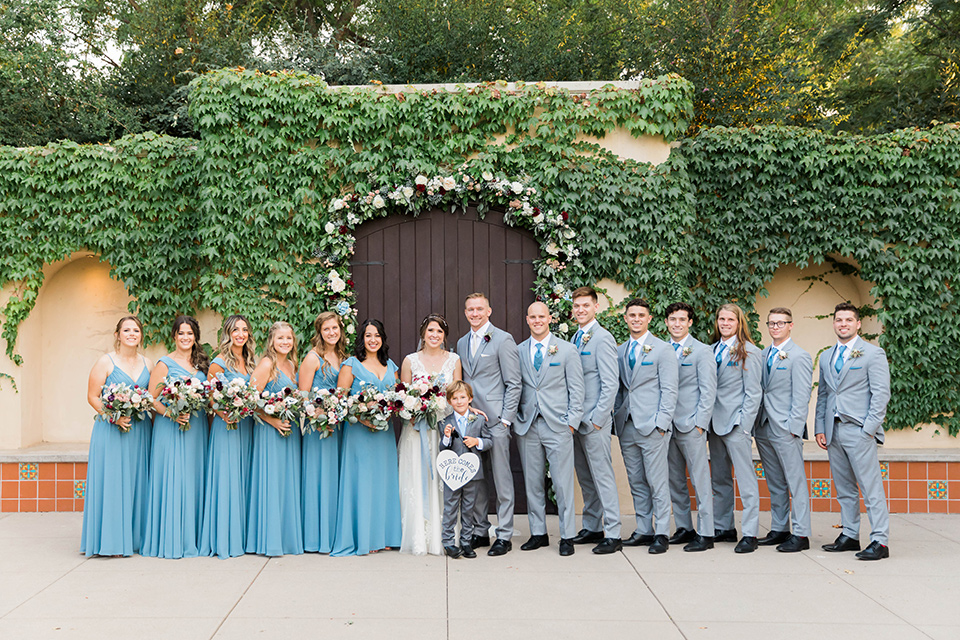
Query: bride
point(421, 489)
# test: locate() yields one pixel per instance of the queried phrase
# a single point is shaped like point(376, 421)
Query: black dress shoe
point(467, 551)
point(725, 535)
point(609, 545)
point(794, 544)
point(535, 542)
point(566, 546)
point(774, 538)
point(747, 544)
point(683, 536)
point(453, 552)
point(586, 536)
point(660, 544)
point(500, 548)
point(875, 551)
point(700, 543)
point(638, 540)
point(842, 543)
point(480, 541)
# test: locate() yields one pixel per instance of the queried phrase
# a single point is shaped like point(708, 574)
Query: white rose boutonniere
point(585, 338)
point(686, 351)
point(782, 355)
point(647, 348)
point(472, 418)
point(553, 350)
point(856, 353)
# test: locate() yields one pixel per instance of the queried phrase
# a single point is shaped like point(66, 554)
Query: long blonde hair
point(739, 353)
point(270, 352)
point(340, 349)
point(225, 348)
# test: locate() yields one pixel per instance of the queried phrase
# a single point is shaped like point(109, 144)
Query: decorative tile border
point(820, 488)
point(885, 470)
point(29, 471)
point(937, 490)
point(758, 469)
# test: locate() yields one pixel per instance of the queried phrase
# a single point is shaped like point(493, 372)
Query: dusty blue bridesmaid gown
point(321, 476)
point(274, 522)
point(224, 526)
point(176, 482)
point(368, 515)
point(118, 467)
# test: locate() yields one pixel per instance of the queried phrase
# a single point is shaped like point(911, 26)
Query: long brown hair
point(116, 332)
point(319, 346)
point(198, 357)
point(441, 322)
point(270, 352)
point(225, 348)
point(739, 353)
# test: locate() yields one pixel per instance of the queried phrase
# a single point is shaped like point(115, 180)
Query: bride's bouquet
point(424, 398)
point(376, 408)
point(324, 409)
point(120, 400)
point(284, 405)
point(235, 398)
point(183, 394)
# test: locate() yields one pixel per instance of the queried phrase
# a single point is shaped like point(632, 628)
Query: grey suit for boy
point(643, 418)
point(688, 444)
point(781, 426)
point(591, 441)
point(851, 406)
point(551, 402)
point(494, 374)
point(739, 395)
point(462, 502)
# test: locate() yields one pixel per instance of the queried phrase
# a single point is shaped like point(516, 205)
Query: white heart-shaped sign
point(455, 470)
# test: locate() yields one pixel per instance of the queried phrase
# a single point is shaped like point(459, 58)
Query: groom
point(491, 365)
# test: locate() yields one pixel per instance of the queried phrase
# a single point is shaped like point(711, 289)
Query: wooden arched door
point(406, 267)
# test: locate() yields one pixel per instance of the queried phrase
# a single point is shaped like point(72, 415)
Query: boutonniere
point(647, 348)
point(553, 350)
point(782, 355)
point(856, 353)
point(472, 417)
point(585, 338)
point(486, 336)
point(686, 351)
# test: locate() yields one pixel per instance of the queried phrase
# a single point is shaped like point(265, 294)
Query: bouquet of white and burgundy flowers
point(324, 409)
point(120, 400)
point(375, 407)
point(183, 394)
point(424, 397)
point(285, 405)
point(235, 398)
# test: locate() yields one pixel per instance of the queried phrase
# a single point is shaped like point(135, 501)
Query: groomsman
point(691, 421)
point(591, 441)
point(852, 400)
point(491, 365)
point(739, 394)
point(551, 406)
point(781, 427)
point(643, 415)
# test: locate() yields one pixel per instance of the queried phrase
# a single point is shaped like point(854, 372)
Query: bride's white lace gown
point(421, 490)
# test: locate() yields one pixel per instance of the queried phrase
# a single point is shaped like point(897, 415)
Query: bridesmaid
point(228, 458)
point(117, 467)
point(368, 513)
point(321, 457)
point(177, 460)
point(274, 522)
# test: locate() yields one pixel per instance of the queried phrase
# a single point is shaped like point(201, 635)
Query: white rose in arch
point(329, 227)
point(486, 175)
point(449, 183)
point(516, 187)
point(337, 204)
point(408, 192)
point(538, 218)
point(378, 202)
point(552, 249)
point(351, 329)
point(421, 180)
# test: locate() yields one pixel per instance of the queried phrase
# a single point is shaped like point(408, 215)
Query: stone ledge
point(48, 452)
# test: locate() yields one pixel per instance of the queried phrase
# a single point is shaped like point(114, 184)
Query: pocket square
point(731, 364)
point(645, 364)
point(686, 364)
point(584, 353)
point(554, 364)
point(781, 368)
point(855, 368)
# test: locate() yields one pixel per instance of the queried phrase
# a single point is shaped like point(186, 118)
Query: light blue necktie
point(578, 337)
point(839, 363)
point(676, 345)
point(632, 356)
point(773, 352)
point(538, 357)
point(720, 351)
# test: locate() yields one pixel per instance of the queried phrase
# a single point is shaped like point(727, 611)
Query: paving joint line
point(446, 577)
point(655, 596)
point(245, 591)
point(72, 569)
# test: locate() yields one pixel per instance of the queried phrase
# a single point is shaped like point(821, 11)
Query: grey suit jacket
point(859, 393)
point(739, 391)
point(786, 389)
point(494, 374)
point(478, 428)
point(648, 392)
point(555, 392)
point(698, 387)
point(598, 357)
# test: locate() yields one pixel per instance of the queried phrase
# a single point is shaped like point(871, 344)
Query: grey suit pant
point(853, 464)
point(781, 453)
point(645, 459)
point(539, 445)
point(735, 448)
point(601, 503)
point(688, 452)
point(498, 469)
point(462, 502)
